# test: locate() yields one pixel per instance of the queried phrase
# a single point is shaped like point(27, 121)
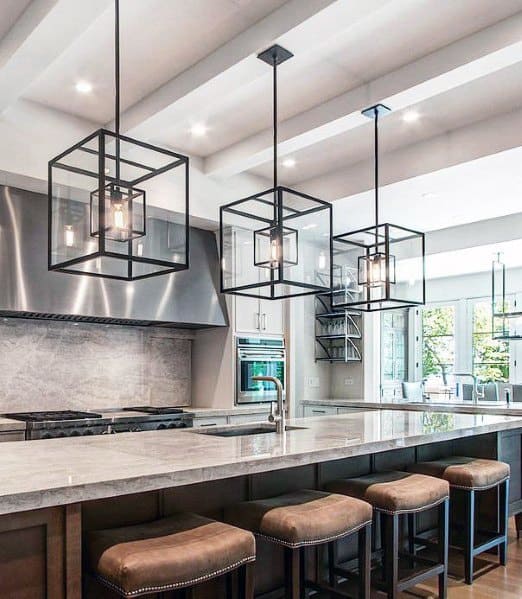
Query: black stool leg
point(229, 586)
point(292, 575)
point(246, 581)
point(443, 543)
point(392, 555)
point(412, 531)
point(365, 557)
point(469, 542)
point(332, 563)
point(382, 527)
point(503, 518)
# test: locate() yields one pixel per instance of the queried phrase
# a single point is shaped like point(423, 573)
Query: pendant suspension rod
point(376, 175)
point(117, 82)
point(275, 131)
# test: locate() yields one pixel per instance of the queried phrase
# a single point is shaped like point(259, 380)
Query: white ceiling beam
point(467, 143)
point(43, 31)
point(461, 62)
point(234, 63)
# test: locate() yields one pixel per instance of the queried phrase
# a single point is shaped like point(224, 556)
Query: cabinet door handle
point(258, 321)
point(264, 322)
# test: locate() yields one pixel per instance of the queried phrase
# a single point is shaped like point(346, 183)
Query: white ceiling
point(458, 63)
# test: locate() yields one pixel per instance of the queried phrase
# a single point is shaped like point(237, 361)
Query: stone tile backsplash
point(48, 365)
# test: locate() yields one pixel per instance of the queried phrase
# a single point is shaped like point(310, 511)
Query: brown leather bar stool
point(308, 518)
point(173, 553)
point(393, 494)
point(467, 476)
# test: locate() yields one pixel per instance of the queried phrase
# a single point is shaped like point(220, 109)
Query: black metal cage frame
point(374, 305)
point(103, 179)
point(280, 221)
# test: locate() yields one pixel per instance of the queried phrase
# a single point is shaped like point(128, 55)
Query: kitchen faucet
point(279, 417)
point(475, 393)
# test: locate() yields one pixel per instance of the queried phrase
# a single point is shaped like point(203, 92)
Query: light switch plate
point(348, 382)
point(313, 382)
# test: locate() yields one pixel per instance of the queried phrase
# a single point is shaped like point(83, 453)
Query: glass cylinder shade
point(378, 268)
point(101, 220)
point(276, 244)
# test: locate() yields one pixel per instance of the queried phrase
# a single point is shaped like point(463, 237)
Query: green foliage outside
point(490, 356)
point(438, 342)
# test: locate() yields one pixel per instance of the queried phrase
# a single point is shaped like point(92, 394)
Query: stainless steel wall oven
point(259, 356)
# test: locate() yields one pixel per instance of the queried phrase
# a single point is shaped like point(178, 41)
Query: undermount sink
point(242, 431)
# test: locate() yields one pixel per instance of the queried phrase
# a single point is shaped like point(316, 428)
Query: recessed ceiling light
point(199, 130)
point(410, 116)
point(84, 87)
point(289, 162)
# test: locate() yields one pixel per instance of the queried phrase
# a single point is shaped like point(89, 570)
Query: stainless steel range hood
point(186, 299)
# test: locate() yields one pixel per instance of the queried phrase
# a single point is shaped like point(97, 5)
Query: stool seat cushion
point(394, 492)
point(170, 553)
point(463, 472)
point(301, 518)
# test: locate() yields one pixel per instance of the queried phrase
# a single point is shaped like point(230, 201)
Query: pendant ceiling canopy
point(101, 221)
point(380, 267)
point(277, 243)
point(507, 317)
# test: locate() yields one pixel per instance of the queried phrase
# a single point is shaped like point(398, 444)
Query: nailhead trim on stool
point(466, 477)
point(172, 553)
point(393, 494)
point(308, 518)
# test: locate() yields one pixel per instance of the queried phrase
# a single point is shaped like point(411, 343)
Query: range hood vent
point(187, 299)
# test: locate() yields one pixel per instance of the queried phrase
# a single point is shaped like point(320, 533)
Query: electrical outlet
point(313, 382)
point(348, 382)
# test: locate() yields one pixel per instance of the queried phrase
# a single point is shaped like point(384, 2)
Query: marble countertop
point(7, 425)
point(454, 406)
point(36, 474)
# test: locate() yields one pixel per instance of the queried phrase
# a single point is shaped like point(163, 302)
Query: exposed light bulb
point(69, 236)
point(118, 219)
point(139, 249)
point(274, 253)
point(322, 261)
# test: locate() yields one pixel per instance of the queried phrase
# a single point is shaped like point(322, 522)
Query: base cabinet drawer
point(216, 421)
point(246, 418)
point(344, 410)
point(12, 436)
point(319, 411)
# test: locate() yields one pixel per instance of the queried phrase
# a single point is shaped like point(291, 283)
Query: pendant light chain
point(117, 82)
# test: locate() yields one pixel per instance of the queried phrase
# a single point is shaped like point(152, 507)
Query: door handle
point(264, 322)
point(258, 321)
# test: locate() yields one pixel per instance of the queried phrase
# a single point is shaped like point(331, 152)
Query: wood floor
point(491, 582)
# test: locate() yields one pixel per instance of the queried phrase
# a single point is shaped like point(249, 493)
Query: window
point(490, 356)
point(438, 345)
point(394, 358)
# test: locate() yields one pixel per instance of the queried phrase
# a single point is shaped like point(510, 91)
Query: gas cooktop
point(57, 415)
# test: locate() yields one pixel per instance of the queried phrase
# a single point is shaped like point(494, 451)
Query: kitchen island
point(53, 490)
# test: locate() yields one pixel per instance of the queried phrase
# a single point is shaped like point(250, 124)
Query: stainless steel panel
point(186, 299)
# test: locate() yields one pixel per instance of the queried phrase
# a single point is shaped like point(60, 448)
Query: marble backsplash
point(48, 365)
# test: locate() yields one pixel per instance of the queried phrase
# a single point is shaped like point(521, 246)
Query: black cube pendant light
point(101, 222)
point(380, 267)
point(276, 244)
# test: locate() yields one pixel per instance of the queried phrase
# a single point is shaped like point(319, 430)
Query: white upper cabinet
point(258, 316)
